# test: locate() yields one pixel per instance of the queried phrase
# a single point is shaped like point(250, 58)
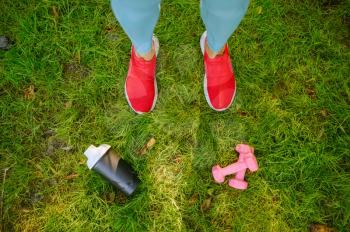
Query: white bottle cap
point(94, 154)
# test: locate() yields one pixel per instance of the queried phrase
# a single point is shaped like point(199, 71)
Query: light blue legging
point(139, 17)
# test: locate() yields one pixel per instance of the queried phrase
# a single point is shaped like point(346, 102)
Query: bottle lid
point(94, 154)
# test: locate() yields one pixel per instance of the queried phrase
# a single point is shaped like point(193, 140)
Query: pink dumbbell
point(244, 152)
point(247, 162)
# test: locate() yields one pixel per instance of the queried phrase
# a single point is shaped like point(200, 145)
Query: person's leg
point(221, 18)
point(138, 19)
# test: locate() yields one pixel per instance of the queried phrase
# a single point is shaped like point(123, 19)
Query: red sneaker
point(141, 85)
point(219, 79)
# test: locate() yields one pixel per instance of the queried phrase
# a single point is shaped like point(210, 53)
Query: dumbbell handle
point(233, 168)
point(240, 175)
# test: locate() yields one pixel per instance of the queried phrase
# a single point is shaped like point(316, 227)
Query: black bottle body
point(117, 172)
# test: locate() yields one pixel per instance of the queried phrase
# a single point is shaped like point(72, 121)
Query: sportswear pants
point(139, 17)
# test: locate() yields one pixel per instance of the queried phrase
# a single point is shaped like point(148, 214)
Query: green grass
point(293, 105)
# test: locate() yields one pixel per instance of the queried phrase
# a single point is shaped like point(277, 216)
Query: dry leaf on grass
point(109, 28)
point(193, 199)
point(320, 228)
point(55, 144)
point(49, 133)
point(110, 197)
point(120, 197)
point(71, 176)
point(311, 92)
point(68, 105)
point(241, 113)
point(29, 93)
point(205, 206)
point(25, 210)
point(177, 159)
point(324, 113)
point(54, 11)
point(147, 146)
point(67, 148)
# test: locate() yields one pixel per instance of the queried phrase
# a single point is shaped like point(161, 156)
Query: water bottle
point(109, 165)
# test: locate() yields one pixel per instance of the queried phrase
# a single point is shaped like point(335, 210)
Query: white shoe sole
point(156, 46)
point(205, 85)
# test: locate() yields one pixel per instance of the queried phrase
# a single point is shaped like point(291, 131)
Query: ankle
point(149, 55)
point(212, 54)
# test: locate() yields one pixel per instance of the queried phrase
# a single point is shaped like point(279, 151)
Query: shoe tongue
point(221, 65)
point(141, 67)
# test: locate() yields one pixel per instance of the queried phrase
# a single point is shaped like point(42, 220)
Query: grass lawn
point(62, 89)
